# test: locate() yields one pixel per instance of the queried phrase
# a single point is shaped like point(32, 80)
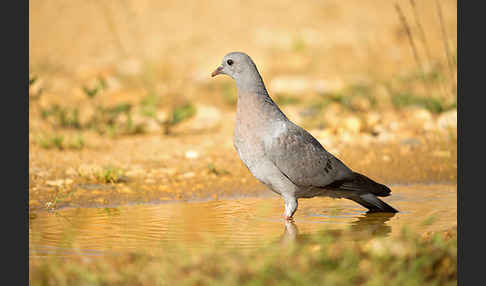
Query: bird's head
point(235, 65)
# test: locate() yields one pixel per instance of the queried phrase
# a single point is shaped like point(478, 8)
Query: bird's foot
point(289, 219)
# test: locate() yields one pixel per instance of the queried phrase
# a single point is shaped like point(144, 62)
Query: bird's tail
point(373, 203)
point(365, 192)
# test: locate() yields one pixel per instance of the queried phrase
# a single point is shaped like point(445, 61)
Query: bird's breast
point(248, 144)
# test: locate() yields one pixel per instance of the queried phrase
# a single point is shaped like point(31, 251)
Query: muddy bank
point(154, 168)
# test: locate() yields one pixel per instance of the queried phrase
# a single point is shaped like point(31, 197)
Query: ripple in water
point(242, 223)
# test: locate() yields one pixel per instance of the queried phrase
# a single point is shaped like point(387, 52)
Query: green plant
point(32, 80)
point(228, 93)
point(58, 141)
point(106, 120)
point(217, 171)
point(299, 45)
point(59, 197)
point(110, 175)
point(77, 142)
point(283, 99)
point(148, 105)
point(404, 99)
point(179, 114)
point(92, 92)
point(50, 141)
point(63, 117)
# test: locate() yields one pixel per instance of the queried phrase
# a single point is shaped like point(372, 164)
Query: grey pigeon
point(284, 156)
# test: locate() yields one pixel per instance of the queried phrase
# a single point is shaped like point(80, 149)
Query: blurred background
point(166, 47)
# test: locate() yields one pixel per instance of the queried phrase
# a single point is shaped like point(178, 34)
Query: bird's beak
point(217, 71)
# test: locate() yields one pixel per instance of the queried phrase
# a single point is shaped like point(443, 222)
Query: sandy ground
point(205, 166)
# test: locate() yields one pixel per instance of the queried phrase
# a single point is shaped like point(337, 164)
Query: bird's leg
point(290, 207)
point(289, 219)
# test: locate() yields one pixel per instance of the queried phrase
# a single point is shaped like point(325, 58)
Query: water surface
point(236, 222)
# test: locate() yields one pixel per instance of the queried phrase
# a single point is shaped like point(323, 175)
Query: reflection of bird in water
point(372, 223)
point(290, 232)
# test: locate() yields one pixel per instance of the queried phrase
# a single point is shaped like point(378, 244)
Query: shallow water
point(236, 222)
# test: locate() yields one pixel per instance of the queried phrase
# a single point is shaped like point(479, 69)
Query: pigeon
point(285, 157)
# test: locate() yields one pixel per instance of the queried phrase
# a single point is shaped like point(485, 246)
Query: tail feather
point(365, 191)
point(362, 184)
point(373, 203)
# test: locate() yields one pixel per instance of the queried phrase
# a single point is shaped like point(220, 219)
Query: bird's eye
point(229, 62)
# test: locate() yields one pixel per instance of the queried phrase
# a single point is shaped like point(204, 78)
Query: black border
point(469, 180)
point(460, 156)
point(15, 140)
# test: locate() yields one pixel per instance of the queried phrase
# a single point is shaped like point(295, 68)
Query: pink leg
point(289, 218)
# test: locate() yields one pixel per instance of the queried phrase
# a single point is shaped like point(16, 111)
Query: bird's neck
point(250, 82)
point(254, 103)
point(257, 106)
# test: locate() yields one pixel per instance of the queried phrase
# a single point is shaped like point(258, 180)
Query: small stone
point(447, 120)
point(420, 117)
point(372, 119)
point(89, 170)
point(188, 175)
point(410, 142)
point(59, 183)
point(352, 124)
point(192, 154)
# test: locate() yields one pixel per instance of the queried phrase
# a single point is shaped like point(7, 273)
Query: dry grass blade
point(110, 22)
point(412, 44)
point(423, 39)
point(444, 39)
point(409, 35)
point(421, 30)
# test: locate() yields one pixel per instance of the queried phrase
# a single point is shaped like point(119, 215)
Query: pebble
point(352, 124)
point(59, 183)
point(372, 119)
point(192, 154)
point(447, 120)
point(89, 170)
point(188, 175)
